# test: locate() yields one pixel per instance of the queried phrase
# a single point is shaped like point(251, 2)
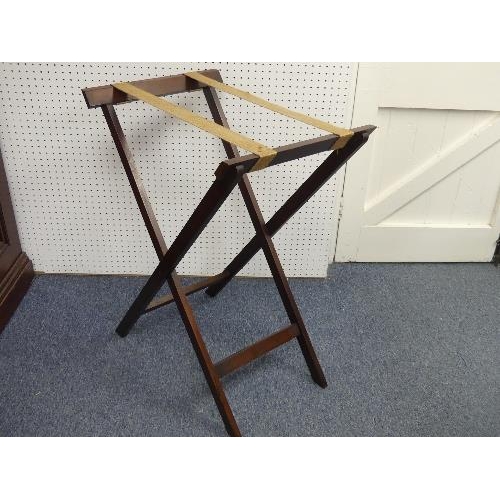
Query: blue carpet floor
point(408, 350)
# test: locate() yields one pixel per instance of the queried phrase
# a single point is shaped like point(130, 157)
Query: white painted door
point(426, 187)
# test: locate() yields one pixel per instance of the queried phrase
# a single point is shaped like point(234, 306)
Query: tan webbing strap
point(343, 133)
point(265, 153)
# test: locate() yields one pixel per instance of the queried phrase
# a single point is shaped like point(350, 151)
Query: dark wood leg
point(264, 240)
point(165, 271)
point(329, 167)
point(220, 118)
point(140, 195)
point(169, 259)
point(292, 310)
point(134, 179)
point(202, 215)
point(178, 294)
point(205, 361)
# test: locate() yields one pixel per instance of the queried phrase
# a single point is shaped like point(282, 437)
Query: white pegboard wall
point(74, 208)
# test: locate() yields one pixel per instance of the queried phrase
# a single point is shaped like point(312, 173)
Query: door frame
point(341, 174)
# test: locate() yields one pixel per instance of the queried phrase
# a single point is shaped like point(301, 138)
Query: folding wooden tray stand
point(231, 172)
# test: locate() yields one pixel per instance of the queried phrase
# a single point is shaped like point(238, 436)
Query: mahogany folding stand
point(231, 172)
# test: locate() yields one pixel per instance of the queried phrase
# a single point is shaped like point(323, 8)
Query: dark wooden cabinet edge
point(14, 286)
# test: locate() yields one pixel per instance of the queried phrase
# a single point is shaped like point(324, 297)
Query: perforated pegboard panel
point(74, 207)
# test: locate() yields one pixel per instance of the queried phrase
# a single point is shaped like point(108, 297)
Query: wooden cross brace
point(230, 173)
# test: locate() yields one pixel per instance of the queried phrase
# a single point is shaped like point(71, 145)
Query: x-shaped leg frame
point(231, 173)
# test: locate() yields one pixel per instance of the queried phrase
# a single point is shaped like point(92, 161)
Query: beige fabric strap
point(343, 133)
point(265, 153)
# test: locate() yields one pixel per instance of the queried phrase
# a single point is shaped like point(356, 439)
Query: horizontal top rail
point(166, 85)
point(292, 151)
